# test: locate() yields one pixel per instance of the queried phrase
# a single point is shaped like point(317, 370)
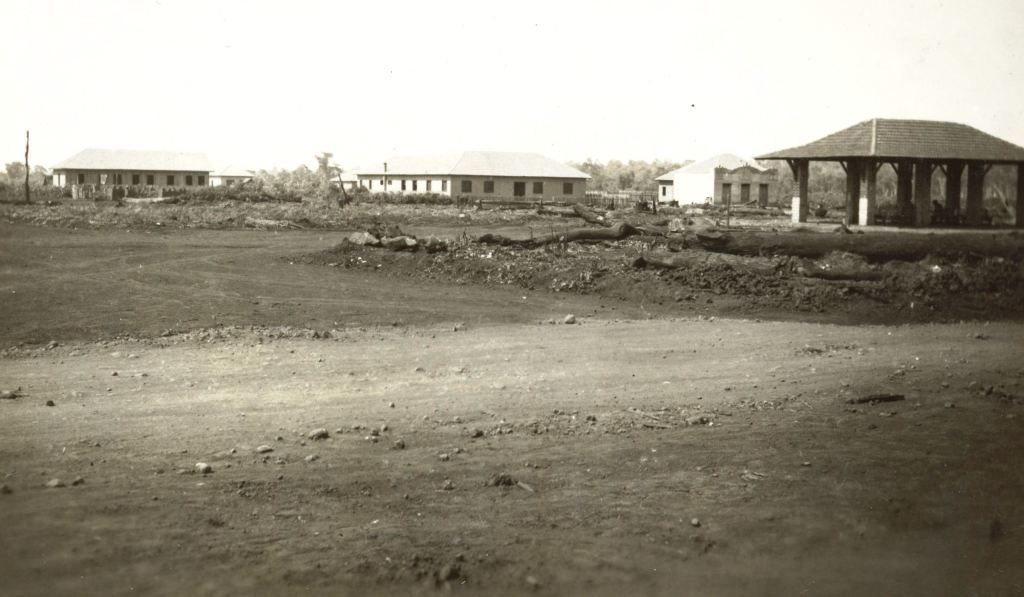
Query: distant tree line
point(634, 175)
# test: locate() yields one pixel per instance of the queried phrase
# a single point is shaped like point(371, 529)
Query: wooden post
point(1020, 196)
point(853, 171)
point(868, 202)
point(28, 193)
point(954, 176)
point(975, 188)
point(922, 193)
point(904, 190)
point(801, 171)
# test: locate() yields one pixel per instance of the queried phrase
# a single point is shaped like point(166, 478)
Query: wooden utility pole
point(28, 194)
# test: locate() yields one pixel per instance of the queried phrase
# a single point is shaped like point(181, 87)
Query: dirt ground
point(645, 449)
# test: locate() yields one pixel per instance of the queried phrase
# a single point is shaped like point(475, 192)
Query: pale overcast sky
point(265, 84)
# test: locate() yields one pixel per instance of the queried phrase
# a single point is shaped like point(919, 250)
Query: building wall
point(503, 186)
point(737, 178)
point(666, 191)
point(67, 178)
point(694, 189)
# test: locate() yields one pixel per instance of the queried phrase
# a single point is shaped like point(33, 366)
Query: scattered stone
point(364, 238)
point(502, 480)
point(449, 572)
point(695, 522)
point(950, 405)
point(375, 432)
point(263, 449)
point(311, 458)
point(569, 319)
point(279, 438)
point(805, 463)
point(50, 403)
point(418, 370)
point(53, 344)
point(78, 481)
point(448, 485)
point(5, 489)
point(320, 433)
point(445, 457)
point(53, 483)
point(399, 444)
point(532, 582)
point(203, 468)
point(477, 433)
point(384, 428)
point(9, 394)
point(699, 420)
point(391, 405)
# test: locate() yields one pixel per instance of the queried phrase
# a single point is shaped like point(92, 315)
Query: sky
point(271, 84)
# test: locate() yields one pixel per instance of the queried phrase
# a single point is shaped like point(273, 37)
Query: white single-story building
point(719, 180)
point(478, 173)
point(230, 176)
point(124, 168)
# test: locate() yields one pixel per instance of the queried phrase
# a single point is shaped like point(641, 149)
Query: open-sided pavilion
point(913, 148)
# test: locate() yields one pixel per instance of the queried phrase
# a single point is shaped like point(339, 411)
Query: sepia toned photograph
point(554, 298)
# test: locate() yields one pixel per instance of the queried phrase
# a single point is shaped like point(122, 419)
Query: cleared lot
point(794, 490)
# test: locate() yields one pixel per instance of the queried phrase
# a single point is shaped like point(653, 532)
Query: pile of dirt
point(838, 281)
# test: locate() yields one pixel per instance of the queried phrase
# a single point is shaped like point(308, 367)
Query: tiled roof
point(725, 160)
point(907, 139)
point(479, 163)
point(125, 159)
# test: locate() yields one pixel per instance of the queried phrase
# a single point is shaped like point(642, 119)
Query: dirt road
point(794, 490)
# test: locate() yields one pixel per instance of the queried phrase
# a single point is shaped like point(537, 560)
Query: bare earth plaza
point(557, 298)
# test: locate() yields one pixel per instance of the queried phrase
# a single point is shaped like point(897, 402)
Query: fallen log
point(616, 232)
point(875, 247)
point(588, 216)
point(692, 259)
point(876, 398)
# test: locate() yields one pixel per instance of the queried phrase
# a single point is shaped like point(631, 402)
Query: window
point(136, 179)
point(188, 180)
point(428, 185)
point(488, 186)
point(382, 182)
point(538, 188)
point(150, 179)
point(118, 179)
point(664, 190)
point(81, 178)
point(403, 184)
point(467, 186)
point(444, 186)
point(567, 188)
point(201, 180)
point(391, 181)
point(170, 180)
point(414, 185)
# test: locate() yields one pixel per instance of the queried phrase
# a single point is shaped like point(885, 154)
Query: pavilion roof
point(886, 138)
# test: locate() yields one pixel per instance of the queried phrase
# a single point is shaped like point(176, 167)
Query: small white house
point(721, 180)
point(230, 176)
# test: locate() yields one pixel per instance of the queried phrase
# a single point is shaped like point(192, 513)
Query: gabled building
point(478, 173)
point(109, 167)
point(230, 176)
point(720, 180)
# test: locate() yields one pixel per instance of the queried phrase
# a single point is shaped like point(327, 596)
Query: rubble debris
point(203, 468)
point(263, 449)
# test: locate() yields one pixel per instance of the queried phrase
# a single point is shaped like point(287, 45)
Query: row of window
point(171, 179)
point(519, 188)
